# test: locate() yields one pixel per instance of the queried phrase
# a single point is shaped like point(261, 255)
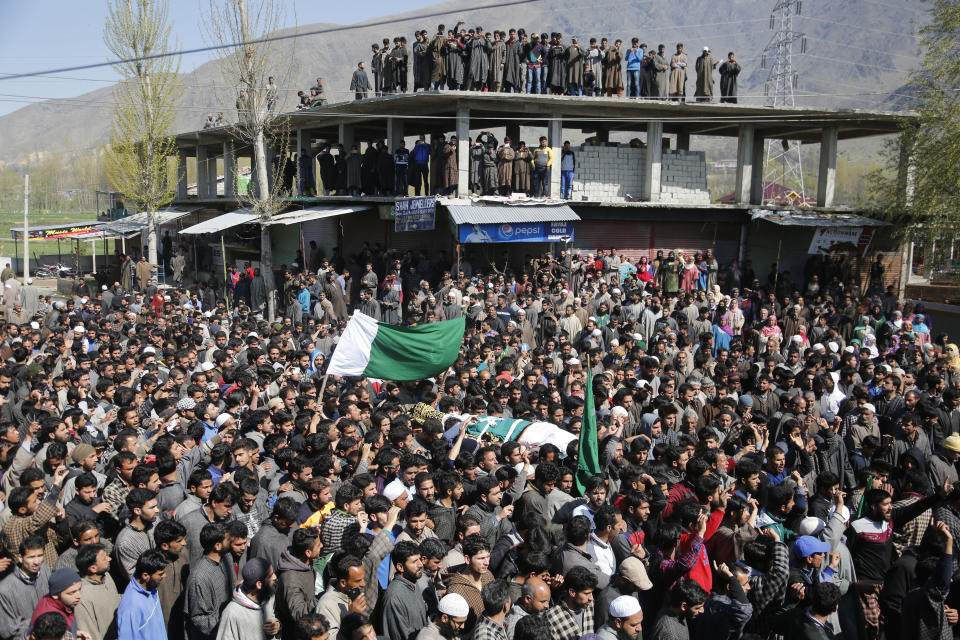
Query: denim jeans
point(633, 84)
point(566, 184)
point(533, 79)
point(541, 182)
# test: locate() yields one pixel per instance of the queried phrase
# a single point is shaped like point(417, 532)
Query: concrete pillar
point(203, 173)
point(652, 161)
point(345, 136)
point(744, 163)
point(555, 141)
point(214, 173)
point(463, 152)
point(827, 181)
point(394, 133)
point(756, 181)
point(229, 171)
point(683, 142)
point(181, 175)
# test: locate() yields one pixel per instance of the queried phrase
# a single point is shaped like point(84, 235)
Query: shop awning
point(222, 223)
point(466, 214)
point(314, 213)
point(137, 222)
point(814, 218)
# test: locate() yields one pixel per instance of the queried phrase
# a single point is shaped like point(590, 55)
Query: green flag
point(380, 350)
point(588, 462)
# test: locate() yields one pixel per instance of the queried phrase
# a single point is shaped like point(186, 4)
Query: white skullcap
point(810, 526)
point(393, 491)
point(833, 346)
point(818, 347)
point(869, 407)
point(624, 607)
point(597, 333)
point(454, 605)
point(614, 343)
point(252, 334)
point(618, 411)
point(573, 361)
point(850, 349)
point(615, 291)
point(796, 339)
point(79, 329)
point(34, 325)
point(104, 287)
point(637, 336)
point(844, 512)
point(223, 417)
point(149, 350)
point(206, 366)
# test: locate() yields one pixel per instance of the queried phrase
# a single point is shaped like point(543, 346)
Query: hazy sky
point(37, 35)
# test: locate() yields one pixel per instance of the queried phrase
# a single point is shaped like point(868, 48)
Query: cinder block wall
point(683, 178)
point(610, 174)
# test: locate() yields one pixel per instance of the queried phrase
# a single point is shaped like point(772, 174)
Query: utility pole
point(782, 163)
point(26, 227)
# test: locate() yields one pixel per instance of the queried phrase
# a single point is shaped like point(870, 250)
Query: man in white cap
point(866, 425)
point(29, 297)
point(625, 621)
point(449, 621)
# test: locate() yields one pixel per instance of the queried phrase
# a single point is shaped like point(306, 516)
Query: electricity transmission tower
point(782, 163)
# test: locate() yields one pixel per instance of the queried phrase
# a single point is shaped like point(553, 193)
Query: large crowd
point(539, 63)
point(775, 460)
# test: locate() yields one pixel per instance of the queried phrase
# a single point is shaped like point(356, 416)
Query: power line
point(264, 40)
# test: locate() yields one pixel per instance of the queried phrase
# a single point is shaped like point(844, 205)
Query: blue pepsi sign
point(516, 232)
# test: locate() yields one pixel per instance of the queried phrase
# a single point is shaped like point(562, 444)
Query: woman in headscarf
point(704, 271)
point(645, 270)
point(735, 315)
point(921, 330)
point(870, 344)
point(770, 328)
point(690, 274)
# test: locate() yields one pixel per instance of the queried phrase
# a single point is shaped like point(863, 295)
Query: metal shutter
point(631, 239)
point(722, 237)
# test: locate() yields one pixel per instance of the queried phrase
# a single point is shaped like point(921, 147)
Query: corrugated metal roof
point(466, 214)
point(314, 213)
point(814, 218)
point(221, 223)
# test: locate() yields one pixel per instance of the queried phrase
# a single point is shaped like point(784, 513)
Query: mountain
point(846, 64)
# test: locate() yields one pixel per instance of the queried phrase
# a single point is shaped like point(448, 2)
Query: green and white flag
point(380, 350)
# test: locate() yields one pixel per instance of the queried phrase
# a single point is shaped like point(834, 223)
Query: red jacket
point(49, 604)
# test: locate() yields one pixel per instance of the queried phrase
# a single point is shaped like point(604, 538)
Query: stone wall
point(615, 174)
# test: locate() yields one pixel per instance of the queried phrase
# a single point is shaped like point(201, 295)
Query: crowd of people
point(495, 168)
point(775, 461)
point(514, 62)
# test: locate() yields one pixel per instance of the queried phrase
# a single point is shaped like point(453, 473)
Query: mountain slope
point(853, 62)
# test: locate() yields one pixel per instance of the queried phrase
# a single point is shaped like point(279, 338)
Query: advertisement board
point(516, 232)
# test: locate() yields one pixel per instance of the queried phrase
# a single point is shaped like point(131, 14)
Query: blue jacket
point(420, 153)
point(304, 299)
point(140, 615)
point(633, 60)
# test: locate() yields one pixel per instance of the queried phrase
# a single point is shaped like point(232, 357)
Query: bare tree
point(248, 66)
point(137, 159)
